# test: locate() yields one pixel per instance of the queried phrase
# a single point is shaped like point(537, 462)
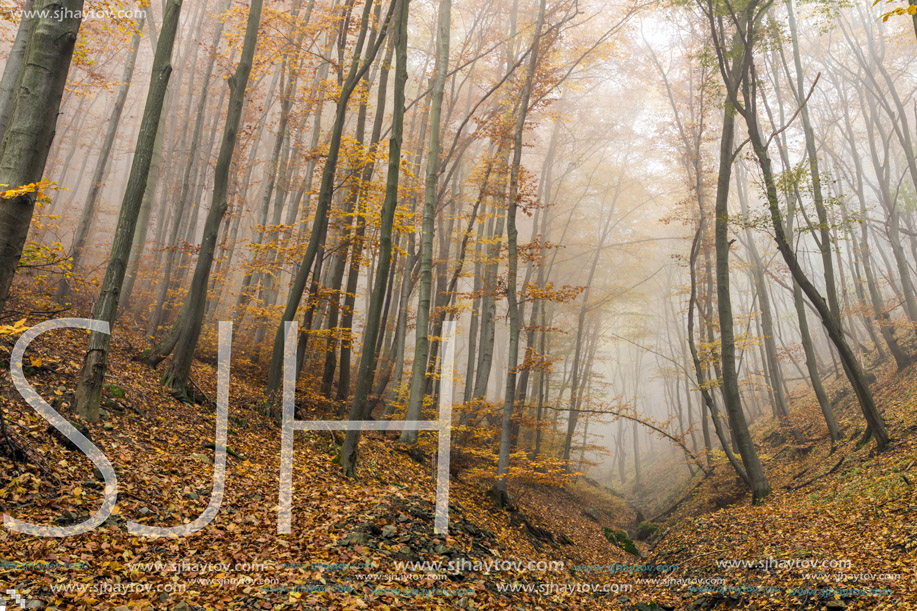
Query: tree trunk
point(353, 276)
point(190, 320)
point(146, 206)
point(92, 375)
point(734, 75)
point(33, 118)
point(13, 68)
point(431, 182)
point(824, 242)
point(348, 456)
point(512, 298)
point(102, 163)
point(324, 195)
point(767, 320)
point(731, 397)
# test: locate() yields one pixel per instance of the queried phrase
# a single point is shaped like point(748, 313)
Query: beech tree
point(187, 328)
point(734, 61)
point(92, 375)
point(348, 456)
point(32, 111)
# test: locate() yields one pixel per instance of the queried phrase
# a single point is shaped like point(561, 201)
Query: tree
point(184, 204)
point(102, 163)
point(748, 32)
point(326, 188)
point(431, 185)
point(348, 456)
point(512, 204)
point(13, 68)
point(187, 327)
point(92, 374)
point(733, 62)
point(33, 118)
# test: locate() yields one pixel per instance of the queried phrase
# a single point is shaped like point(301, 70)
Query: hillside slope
point(351, 539)
point(838, 531)
point(347, 535)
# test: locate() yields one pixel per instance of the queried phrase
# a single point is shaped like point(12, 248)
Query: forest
point(422, 304)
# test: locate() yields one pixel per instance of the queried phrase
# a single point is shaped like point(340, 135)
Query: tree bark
point(190, 320)
point(348, 456)
point(13, 68)
point(431, 182)
point(92, 375)
point(102, 164)
point(33, 118)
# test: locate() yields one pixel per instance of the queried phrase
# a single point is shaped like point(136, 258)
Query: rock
point(620, 538)
point(123, 608)
point(417, 455)
point(698, 604)
point(192, 495)
point(401, 529)
point(115, 520)
point(104, 413)
point(115, 391)
point(372, 529)
point(647, 530)
point(357, 538)
point(836, 604)
point(406, 553)
point(591, 513)
point(108, 426)
point(144, 511)
point(33, 604)
point(182, 606)
point(163, 597)
point(67, 517)
point(200, 458)
point(98, 474)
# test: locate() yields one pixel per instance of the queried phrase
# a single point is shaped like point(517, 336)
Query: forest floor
point(349, 537)
point(839, 529)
